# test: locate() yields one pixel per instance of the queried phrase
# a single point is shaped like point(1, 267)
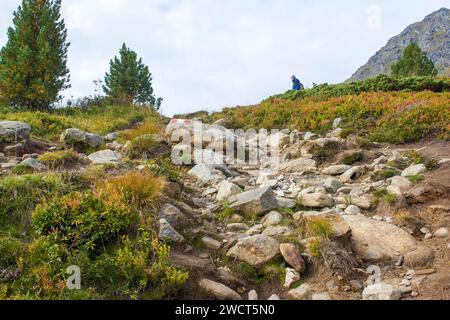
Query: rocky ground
point(340, 218)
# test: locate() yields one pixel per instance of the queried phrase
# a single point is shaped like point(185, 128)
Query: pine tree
point(33, 63)
point(129, 81)
point(414, 62)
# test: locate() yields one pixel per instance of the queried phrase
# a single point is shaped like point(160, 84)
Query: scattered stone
point(211, 243)
point(206, 174)
point(299, 165)
point(376, 240)
point(299, 293)
point(227, 189)
point(414, 170)
point(278, 232)
point(292, 276)
point(256, 201)
point(113, 136)
point(11, 131)
point(168, 233)
point(323, 296)
point(332, 185)
point(218, 290)
point(441, 233)
point(34, 164)
point(286, 203)
point(335, 170)
point(15, 149)
point(236, 227)
point(274, 297)
point(257, 229)
point(272, 219)
point(350, 174)
point(173, 215)
point(105, 157)
point(352, 210)
point(309, 136)
point(314, 199)
point(2, 157)
point(255, 250)
point(253, 296)
point(381, 291)
point(93, 140)
point(292, 256)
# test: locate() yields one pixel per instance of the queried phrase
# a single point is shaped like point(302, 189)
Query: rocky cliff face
point(433, 36)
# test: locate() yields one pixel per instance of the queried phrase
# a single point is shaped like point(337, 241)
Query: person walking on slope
point(296, 84)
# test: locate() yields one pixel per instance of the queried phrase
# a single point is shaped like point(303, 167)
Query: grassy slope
point(382, 109)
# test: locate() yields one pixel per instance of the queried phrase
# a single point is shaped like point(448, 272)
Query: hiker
point(296, 84)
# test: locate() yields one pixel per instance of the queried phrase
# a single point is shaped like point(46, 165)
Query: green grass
point(353, 158)
point(100, 120)
point(383, 195)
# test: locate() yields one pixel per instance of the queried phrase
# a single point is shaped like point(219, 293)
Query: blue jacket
point(296, 85)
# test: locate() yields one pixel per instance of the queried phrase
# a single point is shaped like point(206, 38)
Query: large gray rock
point(227, 189)
point(11, 131)
point(218, 290)
point(273, 218)
point(94, 140)
point(105, 157)
point(315, 199)
point(335, 170)
point(381, 291)
point(256, 201)
point(34, 164)
point(255, 250)
point(298, 165)
point(168, 233)
point(414, 170)
point(377, 240)
point(206, 174)
point(173, 215)
point(73, 136)
point(332, 184)
point(299, 293)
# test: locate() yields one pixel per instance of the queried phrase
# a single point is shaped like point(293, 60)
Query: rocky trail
point(339, 219)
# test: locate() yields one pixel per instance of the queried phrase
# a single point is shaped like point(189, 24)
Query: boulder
point(273, 218)
point(299, 165)
point(377, 240)
point(414, 170)
point(255, 250)
point(277, 232)
point(299, 293)
point(381, 291)
point(93, 140)
point(314, 199)
point(256, 201)
point(292, 256)
point(105, 157)
point(206, 174)
point(113, 136)
point(73, 136)
point(292, 276)
point(218, 290)
point(227, 189)
point(352, 210)
point(207, 157)
point(351, 174)
point(173, 215)
point(11, 131)
point(332, 185)
point(399, 185)
point(335, 170)
point(211, 243)
point(34, 164)
point(168, 233)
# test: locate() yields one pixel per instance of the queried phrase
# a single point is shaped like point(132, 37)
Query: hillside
point(96, 187)
point(433, 36)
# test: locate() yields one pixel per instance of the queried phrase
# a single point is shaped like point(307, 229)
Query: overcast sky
point(209, 54)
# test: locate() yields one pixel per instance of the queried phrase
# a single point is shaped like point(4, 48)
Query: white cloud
point(207, 54)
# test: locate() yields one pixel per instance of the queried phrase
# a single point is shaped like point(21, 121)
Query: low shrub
point(353, 158)
point(59, 159)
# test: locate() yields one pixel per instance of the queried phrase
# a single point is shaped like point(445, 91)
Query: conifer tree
point(414, 62)
point(129, 81)
point(33, 63)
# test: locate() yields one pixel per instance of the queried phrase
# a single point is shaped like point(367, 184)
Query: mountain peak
point(432, 35)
